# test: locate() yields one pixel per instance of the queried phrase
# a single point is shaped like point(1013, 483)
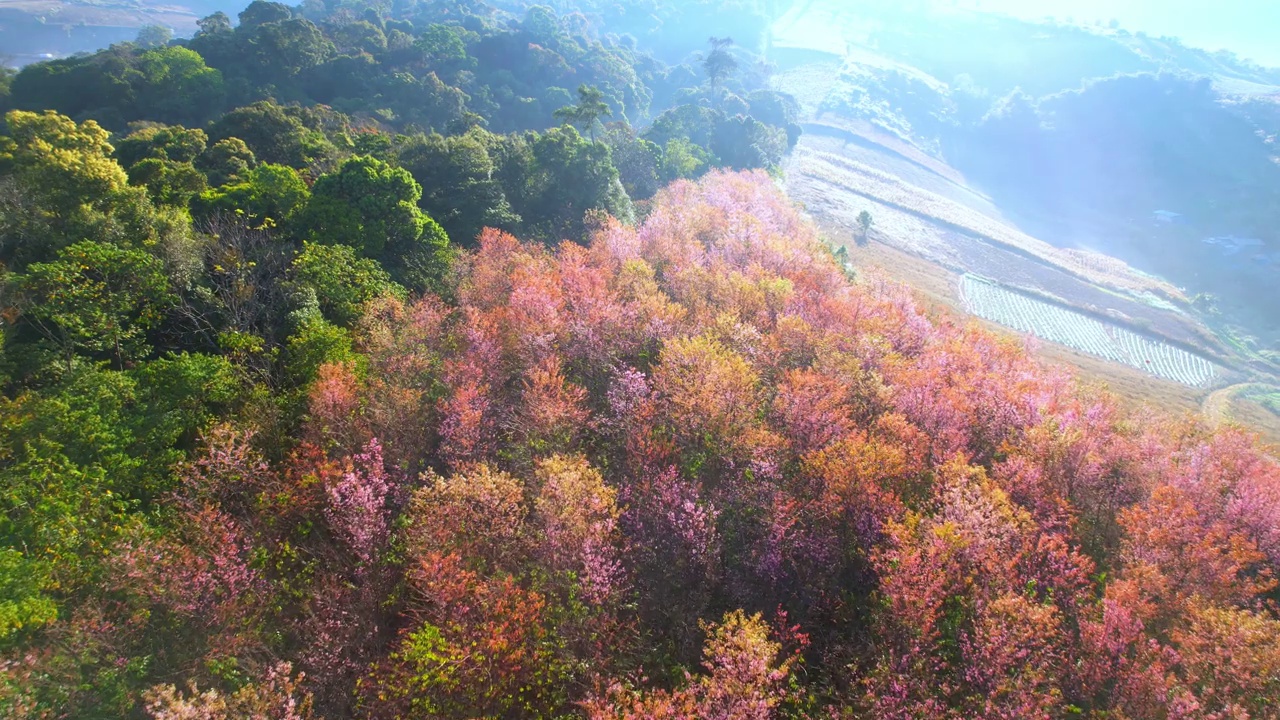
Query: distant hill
point(32, 30)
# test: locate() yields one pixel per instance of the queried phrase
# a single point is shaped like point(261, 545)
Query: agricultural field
point(838, 168)
point(32, 30)
point(934, 216)
point(1081, 332)
point(1117, 324)
point(1268, 397)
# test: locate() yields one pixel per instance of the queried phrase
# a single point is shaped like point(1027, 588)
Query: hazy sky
point(1251, 28)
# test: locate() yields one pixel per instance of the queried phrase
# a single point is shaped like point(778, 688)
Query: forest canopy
point(460, 361)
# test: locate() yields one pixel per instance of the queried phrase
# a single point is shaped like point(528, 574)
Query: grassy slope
point(936, 288)
point(844, 166)
point(940, 220)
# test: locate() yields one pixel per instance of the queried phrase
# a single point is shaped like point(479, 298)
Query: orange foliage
point(599, 449)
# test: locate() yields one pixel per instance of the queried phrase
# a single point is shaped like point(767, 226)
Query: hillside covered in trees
point(457, 362)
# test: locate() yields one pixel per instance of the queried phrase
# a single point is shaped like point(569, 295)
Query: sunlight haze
point(1246, 27)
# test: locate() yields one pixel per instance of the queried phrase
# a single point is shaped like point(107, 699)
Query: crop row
point(1081, 332)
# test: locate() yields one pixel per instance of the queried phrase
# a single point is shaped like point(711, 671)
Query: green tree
point(541, 24)
point(719, 64)
point(168, 182)
point(682, 159)
point(373, 207)
point(459, 187)
point(78, 458)
point(587, 113)
point(261, 12)
point(69, 164)
point(443, 48)
point(428, 102)
point(316, 342)
point(174, 85)
point(159, 157)
point(342, 281)
point(227, 161)
point(275, 134)
point(66, 186)
point(6, 81)
point(268, 195)
point(513, 164)
point(359, 37)
point(24, 599)
point(742, 143)
point(568, 178)
point(864, 223)
point(154, 36)
point(165, 142)
point(690, 122)
point(57, 520)
point(96, 299)
point(214, 24)
point(170, 84)
point(278, 52)
point(778, 109)
point(133, 424)
point(637, 160)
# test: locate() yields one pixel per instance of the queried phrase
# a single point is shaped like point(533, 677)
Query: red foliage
point(1186, 555)
point(336, 410)
point(552, 411)
point(359, 505)
point(836, 446)
point(812, 409)
point(467, 426)
point(554, 484)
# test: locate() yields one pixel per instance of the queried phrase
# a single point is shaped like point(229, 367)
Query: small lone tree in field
point(864, 224)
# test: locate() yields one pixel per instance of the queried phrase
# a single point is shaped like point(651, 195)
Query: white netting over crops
point(1081, 332)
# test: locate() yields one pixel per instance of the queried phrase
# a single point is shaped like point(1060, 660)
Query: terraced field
point(834, 167)
point(1081, 332)
point(927, 210)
